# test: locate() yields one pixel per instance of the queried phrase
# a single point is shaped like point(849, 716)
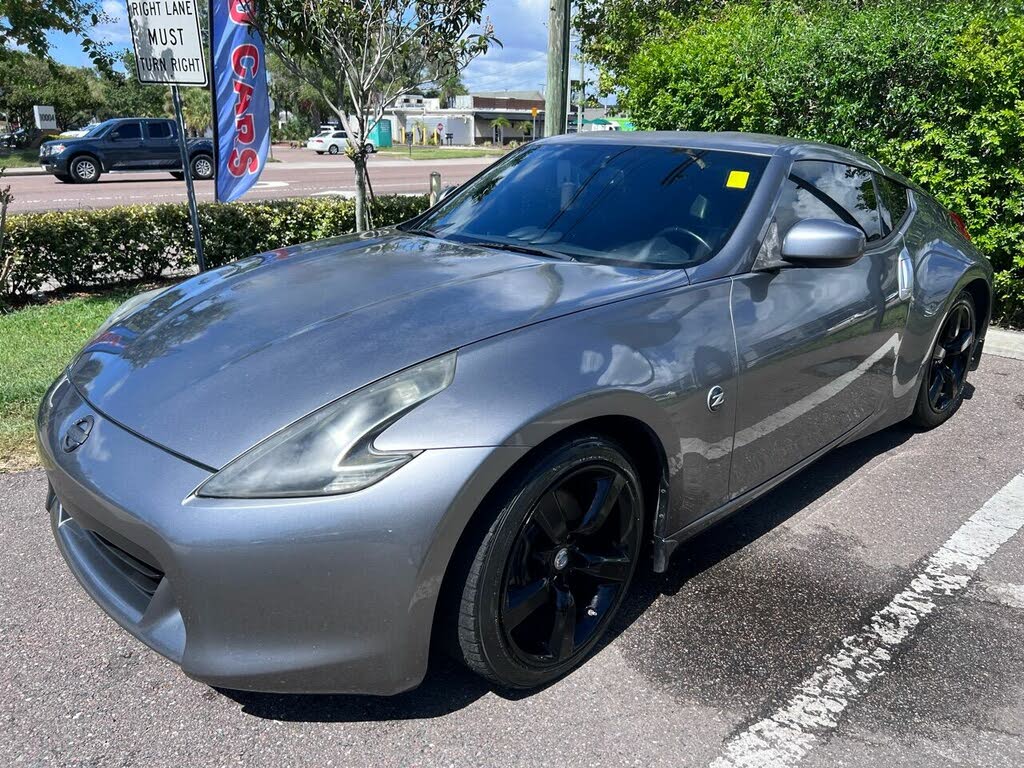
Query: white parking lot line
point(814, 707)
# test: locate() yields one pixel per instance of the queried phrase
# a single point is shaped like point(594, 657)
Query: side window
point(127, 131)
point(823, 190)
point(159, 130)
point(340, 134)
point(894, 201)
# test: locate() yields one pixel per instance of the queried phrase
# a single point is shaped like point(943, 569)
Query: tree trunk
point(362, 217)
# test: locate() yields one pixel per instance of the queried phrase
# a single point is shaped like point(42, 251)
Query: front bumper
point(334, 594)
point(54, 164)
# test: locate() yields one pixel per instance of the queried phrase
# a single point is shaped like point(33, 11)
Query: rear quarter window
point(895, 201)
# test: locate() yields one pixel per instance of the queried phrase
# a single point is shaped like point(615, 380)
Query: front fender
point(651, 359)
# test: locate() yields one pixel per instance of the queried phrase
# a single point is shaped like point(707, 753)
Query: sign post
point(169, 51)
point(193, 209)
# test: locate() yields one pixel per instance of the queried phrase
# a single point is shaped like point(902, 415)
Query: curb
point(23, 172)
point(1003, 343)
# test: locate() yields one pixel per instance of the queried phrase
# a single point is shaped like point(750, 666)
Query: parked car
point(294, 472)
point(333, 143)
point(17, 139)
point(125, 144)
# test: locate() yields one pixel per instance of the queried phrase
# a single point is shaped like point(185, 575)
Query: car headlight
point(126, 309)
point(56, 149)
point(331, 451)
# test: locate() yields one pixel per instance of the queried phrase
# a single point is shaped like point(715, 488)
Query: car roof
point(735, 141)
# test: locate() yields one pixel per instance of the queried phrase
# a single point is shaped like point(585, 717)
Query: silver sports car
point(293, 472)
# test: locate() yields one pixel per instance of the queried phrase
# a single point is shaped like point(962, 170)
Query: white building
point(490, 117)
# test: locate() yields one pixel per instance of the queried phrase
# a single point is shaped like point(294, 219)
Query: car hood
point(211, 366)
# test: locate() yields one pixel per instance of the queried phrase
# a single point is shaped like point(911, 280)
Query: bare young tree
point(375, 51)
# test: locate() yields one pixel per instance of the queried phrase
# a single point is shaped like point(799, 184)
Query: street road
point(300, 173)
point(864, 613)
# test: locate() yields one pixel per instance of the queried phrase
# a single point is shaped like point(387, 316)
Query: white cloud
point(115, 30)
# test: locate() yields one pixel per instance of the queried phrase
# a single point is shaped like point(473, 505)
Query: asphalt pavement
point(870, 611)
point(298, 173)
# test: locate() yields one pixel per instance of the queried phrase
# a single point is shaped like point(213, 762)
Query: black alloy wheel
point(554, 567)
point(942, 390)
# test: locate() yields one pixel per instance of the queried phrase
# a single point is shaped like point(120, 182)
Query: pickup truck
point(125, 144)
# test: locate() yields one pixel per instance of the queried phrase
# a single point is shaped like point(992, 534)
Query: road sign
point(440, 127)
point(167, 41)
point(534, 111)
point(46, 119)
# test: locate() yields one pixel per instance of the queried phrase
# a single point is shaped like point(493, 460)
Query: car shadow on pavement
point(449, 687)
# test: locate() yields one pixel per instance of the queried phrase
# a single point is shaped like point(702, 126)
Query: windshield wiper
point(421, 232)
point(527, 249)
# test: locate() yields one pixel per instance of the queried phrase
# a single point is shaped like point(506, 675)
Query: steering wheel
point(677, 228)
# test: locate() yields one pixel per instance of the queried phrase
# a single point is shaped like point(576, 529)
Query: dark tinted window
point(340, 135)
point(159, 130)
point(127, 131)
point(655, 205)
point(820, 190)
point(894, 201)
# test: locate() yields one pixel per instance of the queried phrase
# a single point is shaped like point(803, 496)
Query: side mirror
point(114, 136)
point(823, 243)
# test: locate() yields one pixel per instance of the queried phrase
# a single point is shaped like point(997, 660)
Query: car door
point(161, 146)
point(816, 346)
point(124, 146)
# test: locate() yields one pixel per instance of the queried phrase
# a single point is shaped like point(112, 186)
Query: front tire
point(202, 167)
point(549, 575)
point(333, 150)
point(85, 170)
point(945, 371)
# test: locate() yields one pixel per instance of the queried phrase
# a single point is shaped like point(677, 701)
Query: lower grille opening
point(143, 576)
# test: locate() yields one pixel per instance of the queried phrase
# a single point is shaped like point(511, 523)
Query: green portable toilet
point(380, 134)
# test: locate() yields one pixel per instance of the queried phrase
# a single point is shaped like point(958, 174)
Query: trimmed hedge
point(79, 248)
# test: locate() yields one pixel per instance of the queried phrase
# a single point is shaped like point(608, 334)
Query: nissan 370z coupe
point(294, 472)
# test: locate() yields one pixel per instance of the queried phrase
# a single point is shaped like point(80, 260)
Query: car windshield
point(647, 205)
point(95, 130)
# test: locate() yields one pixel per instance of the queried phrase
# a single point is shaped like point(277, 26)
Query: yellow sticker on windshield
point(738, 179)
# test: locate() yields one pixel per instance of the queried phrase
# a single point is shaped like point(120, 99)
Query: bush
point(79, 248)
point(935, 90)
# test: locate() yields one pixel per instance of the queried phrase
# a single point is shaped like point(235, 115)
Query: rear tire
point(945, 370)
point(540, 587)
point(85, 170)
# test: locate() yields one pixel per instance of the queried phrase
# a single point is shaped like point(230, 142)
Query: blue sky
point(521, 25)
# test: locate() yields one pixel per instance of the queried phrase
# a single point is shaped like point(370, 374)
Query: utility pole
point(583, 94)
point(556, 103)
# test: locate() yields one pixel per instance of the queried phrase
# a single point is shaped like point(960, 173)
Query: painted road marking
point(815, 706)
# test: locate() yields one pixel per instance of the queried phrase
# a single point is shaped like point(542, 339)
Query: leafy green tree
point(26, 80)
point(122, 95)
point(26, 23)
point(444, 89)
point(611, 31)
point(373, 51)
point(295, 95)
